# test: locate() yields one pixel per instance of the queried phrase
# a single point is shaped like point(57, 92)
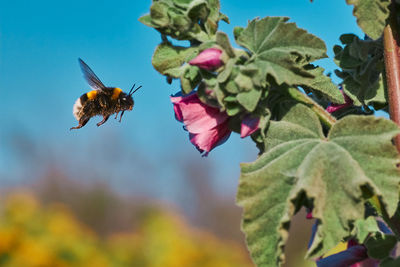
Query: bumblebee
point(102, 100)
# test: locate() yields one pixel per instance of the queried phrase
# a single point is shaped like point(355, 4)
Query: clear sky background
point(40, 42)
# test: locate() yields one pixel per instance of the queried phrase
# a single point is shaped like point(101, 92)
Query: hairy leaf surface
point(361, 63)
point(302, 166)
point(324, 85)
point(167, 59)
point(371, 15)
point(281, 49)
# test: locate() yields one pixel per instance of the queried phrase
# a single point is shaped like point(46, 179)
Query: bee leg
point(82, 122)
point(105, 118)
point(116, 115)
point(122, 113)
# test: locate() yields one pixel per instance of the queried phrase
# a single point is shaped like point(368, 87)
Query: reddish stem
point(392, 67)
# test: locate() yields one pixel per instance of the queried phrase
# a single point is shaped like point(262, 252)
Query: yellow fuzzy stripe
point(116, 93)
point(92, 94)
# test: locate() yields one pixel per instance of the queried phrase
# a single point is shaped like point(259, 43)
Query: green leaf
point(182, 3)
point(226, 72)
point(198, 9)
point(362, 66)
point(325, 86)
point(237, 31)
point(179, 18)
point(231, 87)
point(280, 49)
point(180, 24)
point(190, 79)
point(301, 165)
point(371, 15)
point(159, 14)
point(146, 20)
point(175, 72)
point(168, 56)
point(249, 100)
point(244, 82)
point(389, 262)
point(365, 227)
point(233, 109)
point(223, 40)
point(380, 245)
point(363, 93)
point(214, 17)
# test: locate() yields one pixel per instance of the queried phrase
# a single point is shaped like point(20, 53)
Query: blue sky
point(40, 42)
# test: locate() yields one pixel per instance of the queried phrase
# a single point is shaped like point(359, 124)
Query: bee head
point(126, 100)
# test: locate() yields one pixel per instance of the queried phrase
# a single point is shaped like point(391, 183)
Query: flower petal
point(208, 59)
point(207, 140)
point(334, 107)
point(197, 116)
point(345, 258)
point(249, 125)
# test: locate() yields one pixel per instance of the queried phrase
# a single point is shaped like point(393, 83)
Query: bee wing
point(90, 77)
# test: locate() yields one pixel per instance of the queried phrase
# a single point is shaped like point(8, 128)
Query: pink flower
point(309, 215)
point(208, 59)
point(249, 126)
point(208, 127)
point(334, 107)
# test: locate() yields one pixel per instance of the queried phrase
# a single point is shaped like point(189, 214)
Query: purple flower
point(208, 127)
point(350, 256)
point(334, 107)
point(208, 59)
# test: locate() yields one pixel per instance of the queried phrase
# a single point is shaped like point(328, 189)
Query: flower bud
point(249, 125)
point(334, 107)
point(208, 59)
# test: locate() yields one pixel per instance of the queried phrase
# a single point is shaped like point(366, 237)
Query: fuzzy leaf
point(280, 49)
point(244, 82)
point(223, 40)
point(198, 9)
point(301, 165)
point(365, 227)
point(168, 57)
point(325, 86)
point(361, 92)
point(389, 262)
point(146, 20)
point(380, 245)
point(159, 14)
point(371, 15)
point(190, 79)
point(362, 66)
point(249, 100)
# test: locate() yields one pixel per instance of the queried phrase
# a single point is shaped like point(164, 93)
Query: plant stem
point(392, 70)
point(326, 118)
point(392, 67)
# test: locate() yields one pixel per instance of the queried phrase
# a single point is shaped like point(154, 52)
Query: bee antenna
point(131, 93)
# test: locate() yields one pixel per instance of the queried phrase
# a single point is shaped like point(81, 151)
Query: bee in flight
point(102, 100)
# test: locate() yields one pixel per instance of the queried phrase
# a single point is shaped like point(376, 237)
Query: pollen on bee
point(116, 93)
point(92, 94)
